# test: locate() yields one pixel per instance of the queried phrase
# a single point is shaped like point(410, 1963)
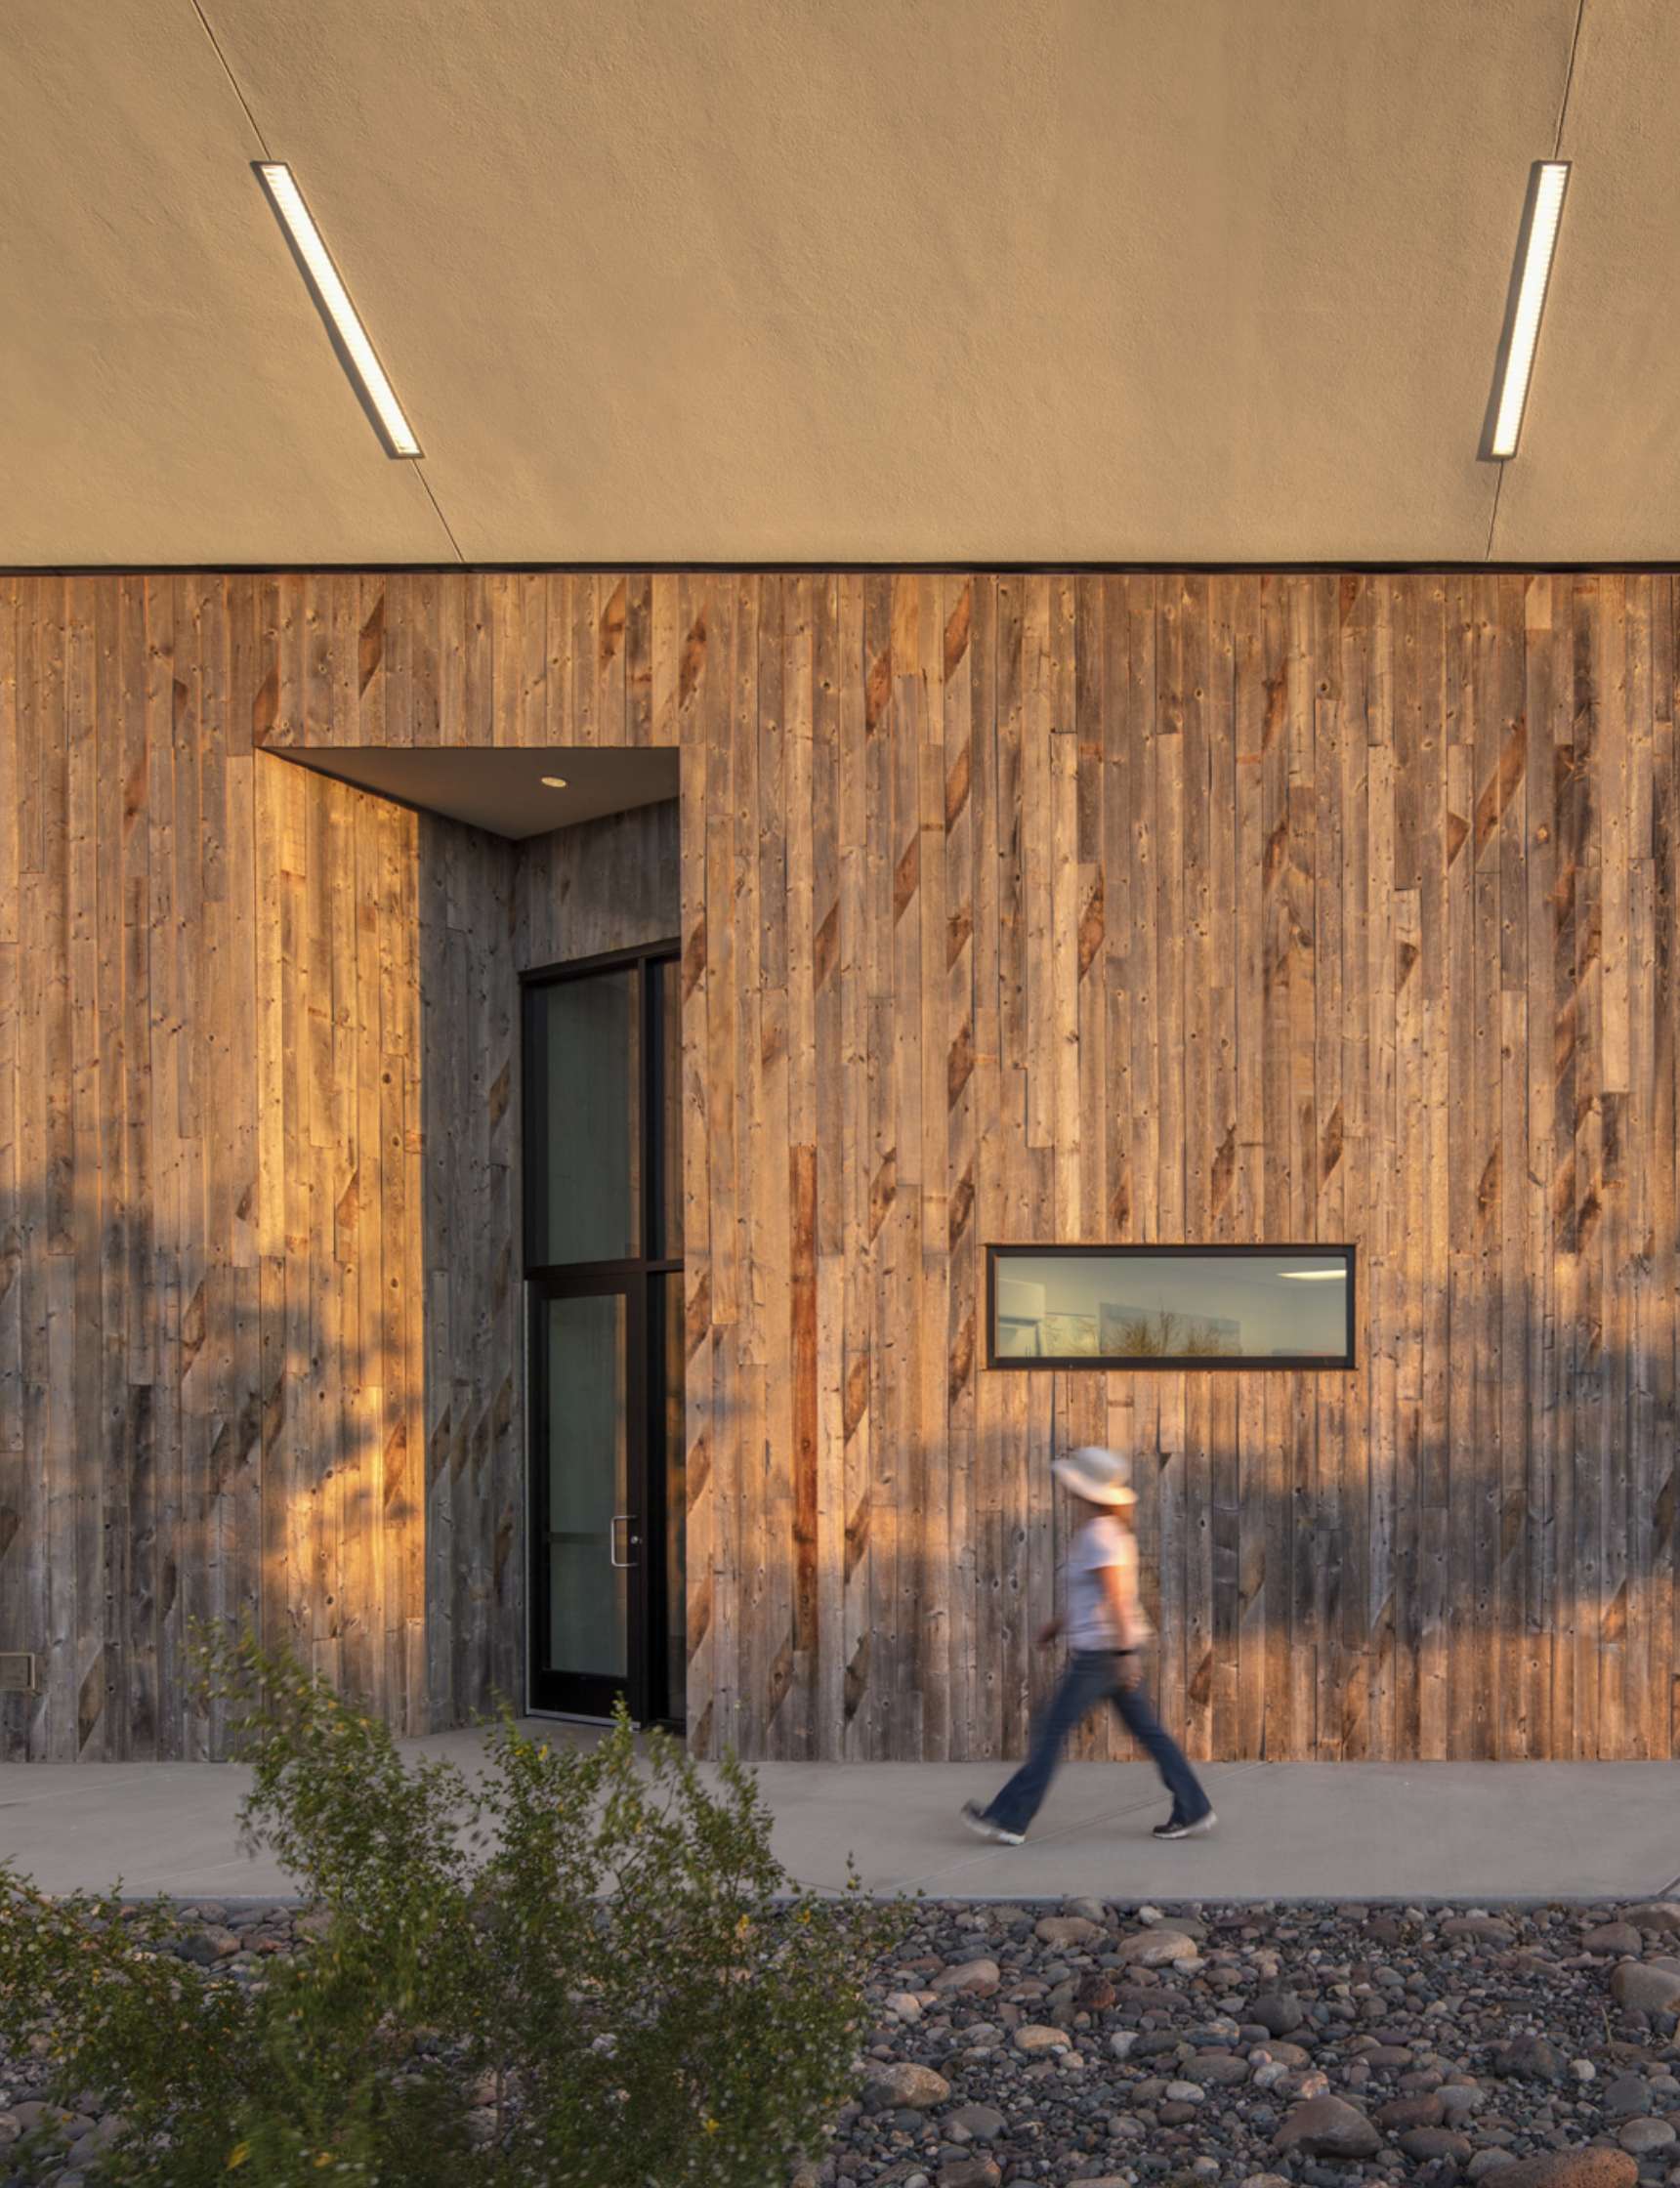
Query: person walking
point(1106, 1631)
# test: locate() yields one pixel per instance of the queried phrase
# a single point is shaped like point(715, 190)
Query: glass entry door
point(603, 1224)
point(590, 1497)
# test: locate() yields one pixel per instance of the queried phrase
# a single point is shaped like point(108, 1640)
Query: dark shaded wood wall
point(490, 910)
point(1227, 906)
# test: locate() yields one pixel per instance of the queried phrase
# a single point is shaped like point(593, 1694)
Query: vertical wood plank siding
point(1234, 906)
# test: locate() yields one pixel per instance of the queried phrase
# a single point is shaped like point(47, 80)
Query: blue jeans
point(1093, 1675)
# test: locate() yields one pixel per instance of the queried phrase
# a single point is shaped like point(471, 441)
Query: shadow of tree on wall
point(257, 1323)
point(294, 1326)
point(1406, 1561)
point(194, 1090)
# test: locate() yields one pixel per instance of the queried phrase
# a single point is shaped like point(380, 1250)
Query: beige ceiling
point(820, 281)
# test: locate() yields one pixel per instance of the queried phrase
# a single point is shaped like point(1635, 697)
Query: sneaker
point(1176, 1828)
point(983, 1827)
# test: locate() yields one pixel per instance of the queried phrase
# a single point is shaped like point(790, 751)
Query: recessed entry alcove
point(522, 908)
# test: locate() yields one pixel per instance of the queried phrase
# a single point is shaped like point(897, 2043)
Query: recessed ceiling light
point(1535, 251)
point(553, 782)
point(333, 298)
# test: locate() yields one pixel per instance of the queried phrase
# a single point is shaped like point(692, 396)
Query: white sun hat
point(1099, 1476)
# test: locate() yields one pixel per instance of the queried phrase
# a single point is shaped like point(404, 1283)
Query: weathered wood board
point(1144, 907)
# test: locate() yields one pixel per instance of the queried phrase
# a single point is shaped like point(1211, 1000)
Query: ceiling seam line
point(420, 474)
point(258, 132)
point(1557, 154)
point(1568, 80)
point(216, 48)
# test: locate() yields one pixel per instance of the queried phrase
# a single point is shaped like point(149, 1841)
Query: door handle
point(631, 1542)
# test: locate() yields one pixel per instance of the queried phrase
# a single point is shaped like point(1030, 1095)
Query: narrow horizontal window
point(1170, 1306)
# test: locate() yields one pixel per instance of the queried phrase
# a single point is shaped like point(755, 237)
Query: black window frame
point(640, 1278)
point(1124, 1363)
point(650, 1096)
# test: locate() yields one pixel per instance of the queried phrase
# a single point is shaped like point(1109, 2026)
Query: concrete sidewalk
point(1472, 1831)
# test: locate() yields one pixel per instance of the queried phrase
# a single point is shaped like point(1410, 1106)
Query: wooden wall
point(209, 1313)
point(1233, 907)
point(260, 1342)
point(610, 884)
point(472, 1538)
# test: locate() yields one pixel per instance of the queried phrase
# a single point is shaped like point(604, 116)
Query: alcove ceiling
point(512, 791)
point(836, 281)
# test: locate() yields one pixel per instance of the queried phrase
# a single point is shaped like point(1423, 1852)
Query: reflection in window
point(588, 1088)
point(1172, 1307)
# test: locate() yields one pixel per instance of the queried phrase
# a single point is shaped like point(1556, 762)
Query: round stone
point(1479, 1929)
point(1661, 1914)
point(983, 2122)
point(1402, 2113)
point(1157, 1947)
point(973, 2172)
point(207, 1946)
point(1642, 2135)
point(903, 2086)
point(1427, 2143)
point(1648, 1990)
point(1531, 2058)
point(1326, 2127)
point(1458, 2098)
point(1595, 2166)
point(1610, 1938)
point(1222, 2068)
point(1389, 2056)
point(1278, 2012)
point(968, 1975)
point(1068, 1930)
point(1627, 2095)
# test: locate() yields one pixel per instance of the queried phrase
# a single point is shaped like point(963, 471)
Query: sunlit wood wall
point(1229, 906)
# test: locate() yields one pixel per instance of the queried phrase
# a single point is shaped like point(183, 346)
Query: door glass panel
point(676, 1506)
point(603, 1201)
point(589, 1076)
point(588, 1485)
point(668, 1017)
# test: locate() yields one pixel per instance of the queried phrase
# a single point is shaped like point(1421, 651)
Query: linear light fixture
point(333, 298)
point(1314, 1276)
point(1535, 250)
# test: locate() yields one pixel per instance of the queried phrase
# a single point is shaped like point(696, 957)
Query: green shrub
point(579, 1968)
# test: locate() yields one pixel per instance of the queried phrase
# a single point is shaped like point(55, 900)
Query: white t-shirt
point(1101, 1542)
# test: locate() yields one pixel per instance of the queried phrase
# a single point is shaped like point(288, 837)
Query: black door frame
point(639, 1281)
point(576, 1692)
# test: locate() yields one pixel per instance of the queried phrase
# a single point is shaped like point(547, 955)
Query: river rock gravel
point(1282, 2045)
